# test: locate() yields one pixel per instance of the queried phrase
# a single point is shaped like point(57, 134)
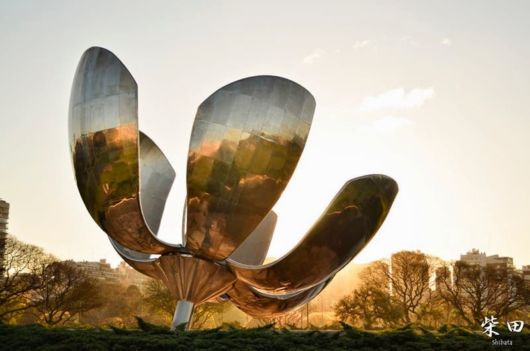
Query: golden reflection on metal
point(259, 304)
point(104, 140)
point(246, 142)
point(345, 227)
point(141, 262)
point(193, 279)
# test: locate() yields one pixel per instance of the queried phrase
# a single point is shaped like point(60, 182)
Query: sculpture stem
point(182, 314)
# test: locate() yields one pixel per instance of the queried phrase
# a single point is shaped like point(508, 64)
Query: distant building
point(4, 217)
point(474, 257)
point(501, 264)
point(99, 270)
point(102, 270)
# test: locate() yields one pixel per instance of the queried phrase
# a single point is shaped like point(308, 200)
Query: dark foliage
point(410, 337)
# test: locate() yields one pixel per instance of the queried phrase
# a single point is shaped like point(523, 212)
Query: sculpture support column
point(182, 314)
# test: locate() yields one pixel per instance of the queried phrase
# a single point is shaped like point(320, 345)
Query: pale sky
point(433, 94)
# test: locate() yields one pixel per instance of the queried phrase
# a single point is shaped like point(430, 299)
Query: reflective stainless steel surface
point(104, 140)
point(259, 304)
point(255, 247)
point(187, 277)
point(182, 313)
point(142, 262)
point(345, 227)
point(156, 179)
point(245, 144)
point(193, 279)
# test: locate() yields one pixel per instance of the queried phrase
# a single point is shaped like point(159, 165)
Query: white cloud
point(314, 56)
point(446, 42)
point(397, 99)
point(359, 44)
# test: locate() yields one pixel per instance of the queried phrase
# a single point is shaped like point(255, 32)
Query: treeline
point(416, 288)
point(412, 287)
point(35, 287)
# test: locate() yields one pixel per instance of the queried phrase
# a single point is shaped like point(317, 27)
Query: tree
point(23, 266)
point(158, 298)
point(133, 297)
point(394, 293)
point(476, 291)
point(208, 312)
point(371, 305)
point(65, 291)
point(120, 305)
point(408, 276)
point(434, 312)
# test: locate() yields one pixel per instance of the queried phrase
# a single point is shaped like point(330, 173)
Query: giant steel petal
point(104, 141)
point(246, 141)
point(141, 262)
point(255, 247)
point(262, 305)
point(345, 227)
point(156, 176)
point(156, 179)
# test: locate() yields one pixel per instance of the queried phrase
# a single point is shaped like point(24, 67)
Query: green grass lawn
point(150, 337)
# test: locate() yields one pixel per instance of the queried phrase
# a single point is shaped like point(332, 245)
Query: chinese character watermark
point(488, 325)
point(515, 326)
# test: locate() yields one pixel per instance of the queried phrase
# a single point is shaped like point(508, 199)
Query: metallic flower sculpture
point(246, 141)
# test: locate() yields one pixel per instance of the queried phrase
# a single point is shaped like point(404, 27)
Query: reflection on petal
point(350, 221)
point(193, 279)
point(141, 262)
point(104, 140)
point(262, 305)
point(245, 144)
point(187, 277)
